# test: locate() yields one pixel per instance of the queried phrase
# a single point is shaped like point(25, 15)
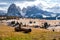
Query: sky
point(46, 5)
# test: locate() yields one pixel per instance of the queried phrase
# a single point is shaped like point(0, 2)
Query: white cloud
point(3, 3)
point(43, 4)
point(47, 5)
point(4, 9)
point(21, 5)
point(25, 4)
point(4, 6)
point(50, 5)
point(44, 16)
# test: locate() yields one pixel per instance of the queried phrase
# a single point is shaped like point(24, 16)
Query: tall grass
point(8, 33)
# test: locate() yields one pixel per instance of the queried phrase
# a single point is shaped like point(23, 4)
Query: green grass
point(8, 33)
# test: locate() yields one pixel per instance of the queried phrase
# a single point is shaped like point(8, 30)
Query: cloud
point(25, 4)
point(4, 4)
point(50, 5)
point(46, 5)
point(14, 0)
point(55, 9)
point(4, 8)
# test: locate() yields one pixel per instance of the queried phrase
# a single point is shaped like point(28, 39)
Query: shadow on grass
point(0, 38)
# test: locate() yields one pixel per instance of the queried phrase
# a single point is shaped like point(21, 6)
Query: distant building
point(2, 17)
point(8, 17)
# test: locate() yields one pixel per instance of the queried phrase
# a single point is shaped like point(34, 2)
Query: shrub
point(30, 22)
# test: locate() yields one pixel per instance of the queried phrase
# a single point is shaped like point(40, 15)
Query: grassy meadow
point(8, 33)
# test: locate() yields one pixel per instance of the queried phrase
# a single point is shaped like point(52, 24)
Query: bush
point(54, 39)
point(13, 22)
point(46, 25)
point(30, 22)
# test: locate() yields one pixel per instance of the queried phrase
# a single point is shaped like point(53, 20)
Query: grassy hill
point(8, 33)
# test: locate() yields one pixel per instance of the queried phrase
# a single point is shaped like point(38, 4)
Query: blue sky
point(47, 5)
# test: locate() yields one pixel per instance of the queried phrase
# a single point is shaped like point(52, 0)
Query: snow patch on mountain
point(44, 16)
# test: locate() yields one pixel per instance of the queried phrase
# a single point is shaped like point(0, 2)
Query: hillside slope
point(8, 33)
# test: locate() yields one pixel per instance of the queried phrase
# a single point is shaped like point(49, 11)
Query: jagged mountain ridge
point(13, 10)
point(35, 12)
point(30, 12)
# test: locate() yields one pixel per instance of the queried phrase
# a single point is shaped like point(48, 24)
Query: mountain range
point(30, 12)
point(13, 10)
